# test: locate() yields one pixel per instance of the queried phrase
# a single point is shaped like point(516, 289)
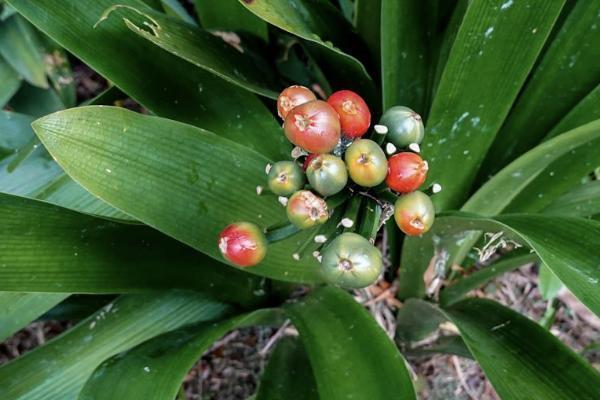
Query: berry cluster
point(338, 163)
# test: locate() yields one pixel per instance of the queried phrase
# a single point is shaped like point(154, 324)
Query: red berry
point(307, 161)
point(243, 244)
point(355, 117)
point(406, 172)
point(313, 126)
point(293, 97)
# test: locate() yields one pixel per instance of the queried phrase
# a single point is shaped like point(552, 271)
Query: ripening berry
point(285, 178)
point(306, 210)
point(313, 126)
point(406, 172)
point(292, 97)
point(414, 213)
point(327, 174)
point(355, 117)
point(243, 244)
point(404, 126)
point(307, 160)
point(366, 162)
point(351, 261)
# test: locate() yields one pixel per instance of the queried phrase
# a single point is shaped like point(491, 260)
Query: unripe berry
point(406, 172)
point(355, 117)
point(291, 97)
point(414, 213)
point(366, 163)
point(351, 261)
point(313, 126)
point(327, 174)
point(243, 244)
point(404, 126)
point(306, 210)
point(285, 178)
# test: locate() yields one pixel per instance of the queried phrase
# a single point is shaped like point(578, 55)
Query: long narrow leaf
point(10, 81)
point(587, 110)
point(230, 15)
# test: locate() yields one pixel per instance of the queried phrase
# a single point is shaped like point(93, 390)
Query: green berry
point(351, 261)
point(305, 210)
point(327, 174)
point(366, 162)
point(404, 126)
point(285, 178)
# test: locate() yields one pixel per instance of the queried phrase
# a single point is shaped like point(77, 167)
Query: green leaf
point(587, 110)
point(200, 48)
point(567, 71)
point(59, 369)
point(34, 101)
point(350, 354)
point(10, 81)
point(417, 319)
point(187, 93)
point(575, 262)
point(21, 48)
point(455, 292)
point(582, 201)
point(26, 169)
point(156, 369)
point(480, 81)
point(19, 309)
point(230, 15)
point(44, 248)
point(77, 307)
point(452, 344)
point(367, 19)
point(176, 9)
point(508, 345)
point(200, 182)
point(288, 374)
point(548, 283)
point(328, 35)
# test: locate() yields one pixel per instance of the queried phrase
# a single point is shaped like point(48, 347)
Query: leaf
point(587, 110)
point(156, 368)
point(567, 71)
point(288, 375)
point(187, 93)
point(451, 344)
point(200, 48)
point(200, 182)
point(44, 248)
point(19, 309)
point(59, 72)
point(507, 344)
point(548, 283)
point(59, 369)
point(350, 354)
point(26, 169)
point(77, 307)
point(367, 19)
point(417, 319)
point(470, 106)
point(582, 201)
point(328, 35)
point(10, 81)
point(176, 9)
point(34, 101)
point(21, 48)
point(230, 15)
point(574, 262)
point(455, 292)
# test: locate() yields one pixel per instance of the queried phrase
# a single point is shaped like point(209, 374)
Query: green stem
point(282, 233)
point(352, 212)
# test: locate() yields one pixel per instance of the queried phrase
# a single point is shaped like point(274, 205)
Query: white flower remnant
point(415, 147)
point(494, 242)
point(381, 129)
point(347, 223)
point(283, 200)
point(390, 148)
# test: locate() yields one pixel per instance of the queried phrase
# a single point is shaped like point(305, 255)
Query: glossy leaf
point(367, 19)
point(455, 292)
point(59, 369)
point(417, 319)
point(26, 169)
point(21, 48)
point(507, 344)
point(451, 344)
point(470, 106)
point(10, 81)
point(288, 375)
point(328, 35)
point(567, 71)
point(548, 283)
point(198, 47)
point(176, 9)
point(336, 331)
point(50, 249)
point(35, 101)
point(187, 93)
point(200, 182)
point(156, 369)
point(19, 309)
point(582, 201)
point(230, 15)
point(587, 110)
